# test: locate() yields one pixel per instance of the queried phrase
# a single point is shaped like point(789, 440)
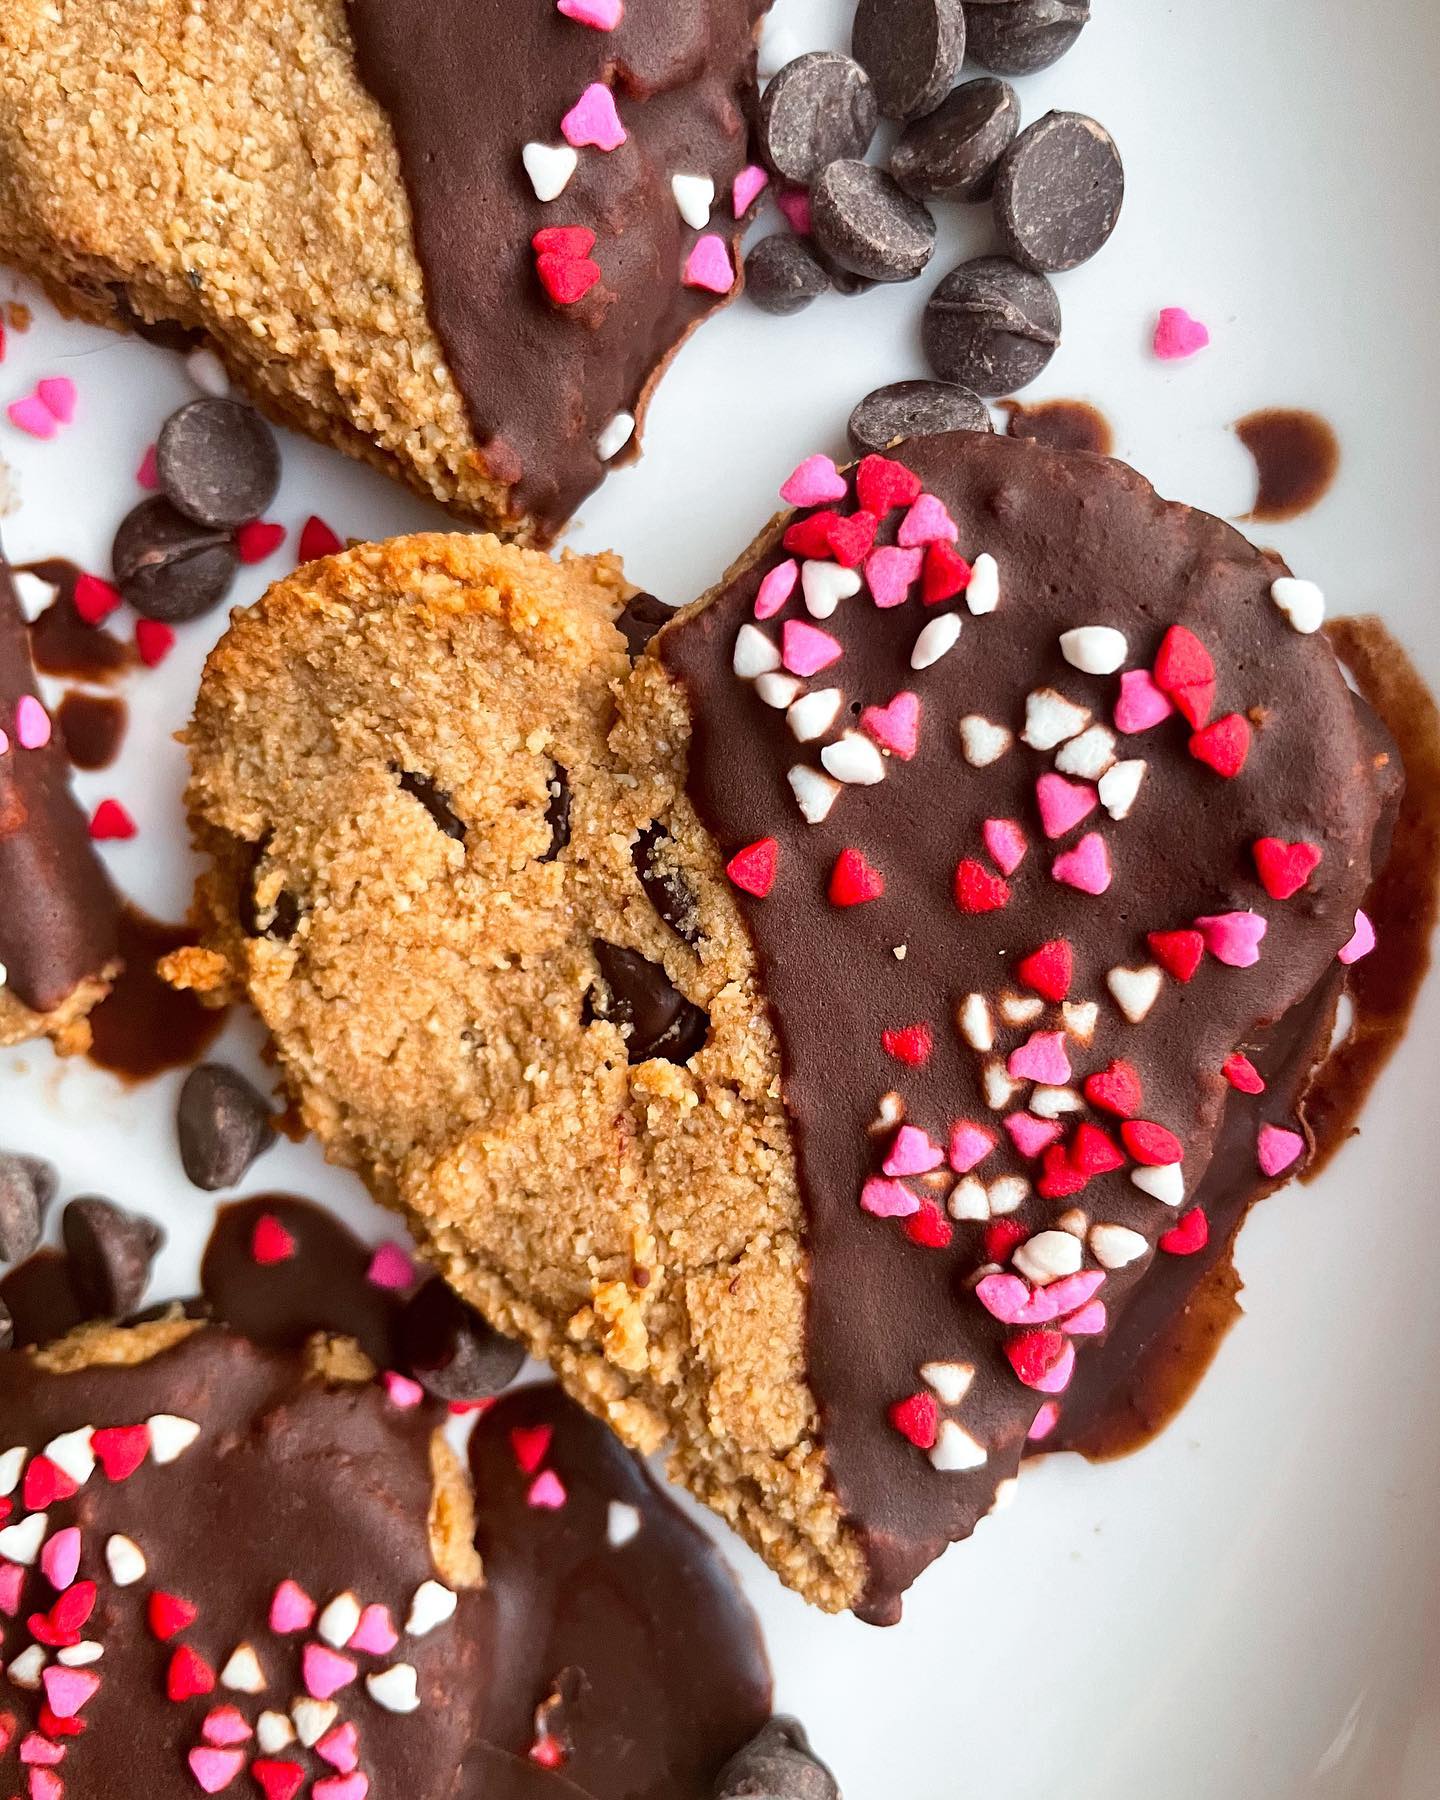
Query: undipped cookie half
point(805, 1037)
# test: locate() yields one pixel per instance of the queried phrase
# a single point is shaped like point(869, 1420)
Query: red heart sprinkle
point(917, 1419)
point(528, 1445)
point(753, 868)
point(270, 1242)
point(169, 1615)
point(909, 1044)
point(850, 539)
point(1284, 868)
point(188, 1675)
point(977, 890)
point(1094, 1152)
point(883, 484)
point(1002, 1236)
point(9, 1725)
point(929, 1228)
point(74, 1607)
point(853, 880)
point(1047, 971)
point(1179, 953)
point(53, 1726)
point(1059, 1179)
point(811, 537)
point(1191, 1232)
point(1116, 1089)
point(153, 642)
point(946, 574)
point(45, 1631)
point(566, 279)
point(279, 1780)
point(110, 820)
point(45, 1483)
point(317, 539)
point(1183, 661)
point(257, 539)
point(95, 599)
point(1150, 1143)
point(573, 241)
point(1033, 1354)
point(1194, 703)
point(1241, 1073)
point(1224, 745)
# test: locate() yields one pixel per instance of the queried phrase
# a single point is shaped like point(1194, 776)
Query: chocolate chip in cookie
point(665, 887)
point(638, 996)
point(435, 802)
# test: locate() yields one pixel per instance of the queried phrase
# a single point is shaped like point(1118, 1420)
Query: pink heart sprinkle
point(325, 1671)
point(391, 1267)
point(599, 15)
point(215, 1769)
point(342, 1787)
point(1044, 1422)
point(32, 724)
point(57, 395)
point(927, 522)
point(547, 1492)
point(1014, 1302)
point(594, 120)
point(1005, 841)
point(1177, 334)
point(402, 1391)
point(969, 1146)
point(39, 1752)
point(794, 203)
point(375, 1634)
point(914, 1152)
point(46, 1786)
point(60, 1559)
point(1277, 1149)
point(1086, 867)
point(1073, 1291)
point(1031, 1135)
point(887, 1199)
point(1063, 804)
point(148, 475)
point(776, 588)
point(1089, 1321)
point(4, 743)
point(1058, 1378)
point(709, 266)
point(32, 415)
point(750, 183)
point(1233, 938)
point(12, 1582)
point(1141, 703)
point(805, 649)
point(891, 573)
point(292, 1609)
point(225, 1726)
point(1361, 941)
point(894, 726)
point(340, 1747)
point(1041, 1058)
point(814, 482)
point(67, 1690)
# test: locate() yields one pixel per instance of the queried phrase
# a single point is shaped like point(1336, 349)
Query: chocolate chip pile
point(1055, 190)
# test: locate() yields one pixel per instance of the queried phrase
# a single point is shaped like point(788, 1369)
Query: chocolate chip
point(642, 617)
point(223, 1125)
point(866, 221)
point(110, 1255)
point(168, 567)
point(639, 997)
point(819, 108)
point(557, 813)
point(665, 887)
point(1024, 35)
point(777, 1764)
point(435, 802)
point(912, 51)
point(844, 281)
point(909, 409)
point(27, 1186)
point(952, 154)
point(217, 462)
point(991, 326)
point(782, 276)
point(451, 1350)
point(1058, 192)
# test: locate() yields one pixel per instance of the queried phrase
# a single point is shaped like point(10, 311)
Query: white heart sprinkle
point(72, 1454)
point(950, 1381)
point(976, 1026)
point(1088, 755)
point(395, 1688)
point(969, 1199)
point(694, 195)
point(1008, 1193)
point(814, 713)
point(1074, 1221)
point(21, 1543)
point(755, 654)
point(1165, 1184)
point(171, 1437)
point(549, 167)
point(621, 1523)
point(814, 793)
point(982, 742)
point(982, 593)
point(1020, 1009)
point(777, 689)
point(616, 435)
point(207, 371)
point(433, 1605)
point(1080, 1018)
point(1120, 786)
point(1050, 718)
point(1048, 1256)
point(999, 1088)
point(936, 639)
point(24, 1671)
point(1094, 649)
point(313, 1718)
point(1116, 1246)
point(1302, 603)
point(12, 1465)
point(81, 1655)
point(338, 1621)
point(1135, 990)
point(35, 596)
point(125, 1561)
point(1054, 1102)
point(955, 1450)
point(825, 585)
point(854, 760)
point(242, 1673)
point(273, 1732)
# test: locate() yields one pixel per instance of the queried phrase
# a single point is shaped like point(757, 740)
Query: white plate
point(1250, 1608)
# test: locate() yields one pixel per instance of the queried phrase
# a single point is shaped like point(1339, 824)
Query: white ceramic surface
point(1250, 1608)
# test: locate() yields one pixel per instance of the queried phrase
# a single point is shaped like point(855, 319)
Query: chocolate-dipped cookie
point(996, 806)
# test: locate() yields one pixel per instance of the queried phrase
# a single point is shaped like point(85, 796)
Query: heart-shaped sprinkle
point(1224, 745)
point(1150, 1143)
point(1242, 1074)
point(854, 760)
point(1005, 844)
point(1233, 938)
point(1302, 603)
point(912, 1152)
point(169, 1615)
point(68, 1690)
point(982, 591)
point(599, 15)
point(977, 890)
point(814, 793)
point(1141, 704)
point(1050, 718)
point(982, 741)
point(754, 653)
point(908, 1044)
point(375, 1634)
point(58, 395)
point(338, 1621)
point(270, 1242)
point(849, 539)
point(1086, 867)
point(124, 1560)
point(1278, 1149)
point(32, 723)
point(804, 648)
point(891, 572)
point(242, 1673)
point(1094, 649)
point(811, 536)
point(853, 881)
point(894, 726)
point(776, 588)
point(32, 416)
point(1188, 1235)
point(825, 585)
point(1030, 1135)
point(1048, 1256)
point(1178, 334)
point(613, 438)
point(60, 1558)
point(753, 869)
point(1164, 1182)
point(1081, 1018)
point(1116, 1089)
point(1063, 804)
point(927, 522)
point(433, 1603)
point(946, 574)
point(1089, 755)
point(530, 1445)
point(815, 481)
point(748, 186)
point(313, 1718)
point(278, 1780)
point(917, 1419)
point(1039, 1364)
point(1182, 661)
point(188, 1675)
point(1047, 971)
point(882, 484)
point(225, 1726)
point(1042, 1057)
point(929, 1228)
point(950, 1382)
point(356, 1786)
point(708, 265)
point(1116, 1246)
point(694, 196)
point(969, 1146)
point(325, 1672)
point(215, 1769)
point(549, 167)
point(593, 120)
point(1054, 1102)
point(886, 1199)
point(120, 1449)
point(1360, 942)
point(340, 1747)
point(1284, 868)
point(1135, 991)
point(291, 1609)
point(936, 639)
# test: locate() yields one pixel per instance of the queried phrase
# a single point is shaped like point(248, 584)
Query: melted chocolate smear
point(43, 1298)
point(144, 1026)
point(1297, 456)
point(322, 1287)
point(1060, 425)
point(61, 643)
point(643, 1660)
point(93, 727)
